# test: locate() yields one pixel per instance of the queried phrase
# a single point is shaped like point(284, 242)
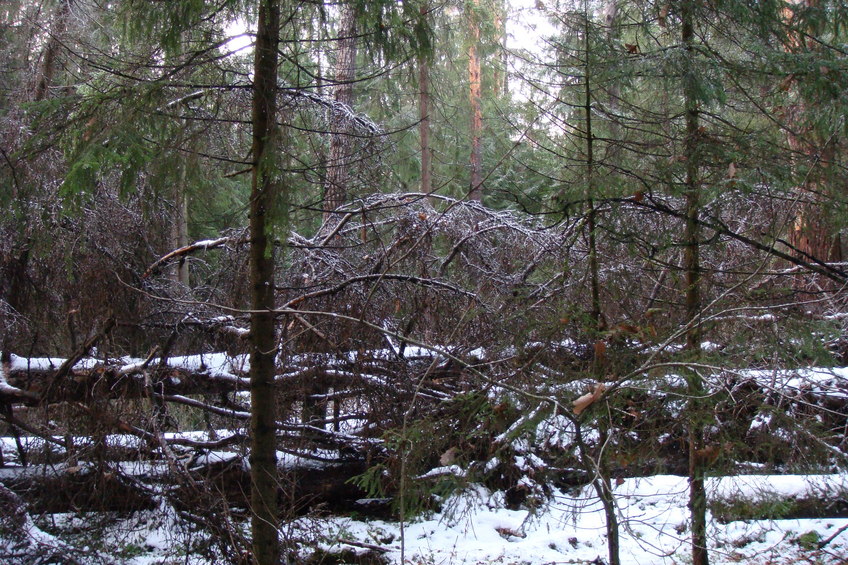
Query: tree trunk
point(48, 58)
point(501, 78)
point(602, 482)
point(263, 455)
point(424, 122)
point(613, 29)
point(336, 189)
point(812, 234)
point(475, 95)
point(691, 265)
point(179, 229)
point(594, 281)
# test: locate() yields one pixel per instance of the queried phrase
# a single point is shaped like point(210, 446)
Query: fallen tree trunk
point(78, 488)
point(41, 381)
point(46, 381)
point(219, 481)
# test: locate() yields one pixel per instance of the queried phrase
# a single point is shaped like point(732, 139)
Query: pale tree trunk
point(341, 157)
point(596, 313)
point(179, 227)
point(263, 341)
point(14, 284)
point(475, 96)
point(316, 36)
point(47, 68)
point(338, 173)
point(692, 292)
point(613, 34)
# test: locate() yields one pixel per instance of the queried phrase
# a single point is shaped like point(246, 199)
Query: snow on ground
point(475, 528)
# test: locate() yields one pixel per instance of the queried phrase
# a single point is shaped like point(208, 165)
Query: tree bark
point(594, 280)
point(179, 229)
point(263, 455)
point(812, 234)
point(47, 68)
point(424, 121)
point(501, 74)
point(475, 96)
point(691, 264)
point(602, 483)
point(338, 173)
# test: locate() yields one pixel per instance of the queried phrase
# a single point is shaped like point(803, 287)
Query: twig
point(825, 542)
point(69, 363)
point(364, 545)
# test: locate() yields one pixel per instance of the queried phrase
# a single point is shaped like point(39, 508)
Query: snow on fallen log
point(124, 486)
point(754, 486)
point(47, 380)
point(746, 497)
point(830, 384)
point(34, 380)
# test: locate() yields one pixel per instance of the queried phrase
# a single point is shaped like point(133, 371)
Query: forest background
point(396, 236)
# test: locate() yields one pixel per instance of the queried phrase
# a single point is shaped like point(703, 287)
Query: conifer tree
point(814, 141)
point(424, 109)
point(263, 335)
point(341, 152)
point(475, 95)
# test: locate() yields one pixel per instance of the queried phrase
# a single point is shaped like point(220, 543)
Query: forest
point(305, 281)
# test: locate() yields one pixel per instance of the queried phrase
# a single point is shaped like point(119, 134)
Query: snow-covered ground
point(476, 528)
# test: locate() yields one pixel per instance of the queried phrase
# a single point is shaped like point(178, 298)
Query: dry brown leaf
point(588, 399)
point(449, 457)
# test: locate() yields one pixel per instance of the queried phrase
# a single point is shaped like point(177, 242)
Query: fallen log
point(77, 488)
point(41, 381)
point(218, 479)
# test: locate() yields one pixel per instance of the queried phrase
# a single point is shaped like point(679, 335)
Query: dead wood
point(78, 488)
point(223, 482)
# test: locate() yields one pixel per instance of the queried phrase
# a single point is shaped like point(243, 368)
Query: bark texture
point(812, 235)
point(424, 126)
point(341, 146)
point(692, 294)
point(47, 69)
point(475, 96)
point(263, 455)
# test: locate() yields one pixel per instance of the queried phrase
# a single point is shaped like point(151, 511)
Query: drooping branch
point(203, 245)
point(813, 265)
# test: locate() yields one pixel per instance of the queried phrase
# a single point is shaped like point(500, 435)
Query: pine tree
point(341, 152)
point(475, 95)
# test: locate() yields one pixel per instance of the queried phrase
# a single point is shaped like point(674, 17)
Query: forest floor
point(474, 527)
point(761, 519)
